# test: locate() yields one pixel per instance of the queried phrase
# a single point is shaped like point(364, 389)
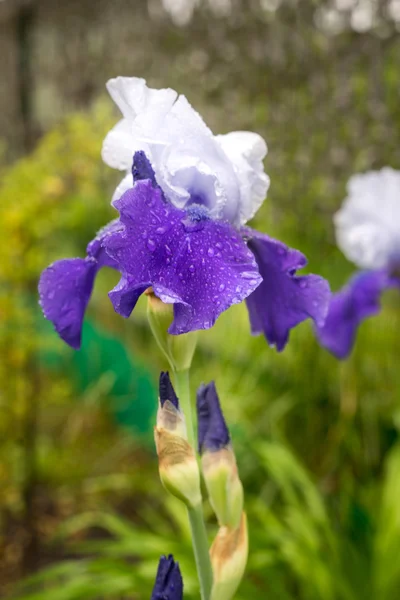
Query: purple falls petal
point(166, 390)
point(213, 433)
point(284, 299)
point(169, 584)
point(199, 265)
point(65, 287)
point(359, 299)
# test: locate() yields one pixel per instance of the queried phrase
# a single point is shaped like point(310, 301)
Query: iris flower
point(183, 208)
point(169, 584)
point(368, 233)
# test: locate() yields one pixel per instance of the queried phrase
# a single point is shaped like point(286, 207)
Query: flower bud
point(179, 349)
point(169, 584)
point(179, 471)
point(228, 558)
point(218, 460)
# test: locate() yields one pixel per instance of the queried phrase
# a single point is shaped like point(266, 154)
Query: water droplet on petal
point(161, 230)
point(51, 295)
point(168, 260)
point(303, 283)
point(151, 245)
point(238, 289)
point(248, 275)
point(210, 252)
point(192, 268)
point(218, 245)
point(168, 249)
point(144, 234)
point(221, 287)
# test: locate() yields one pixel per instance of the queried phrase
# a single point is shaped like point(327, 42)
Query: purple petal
point(166, 390)
point(213, 433)
point(169, 584)
point(199, 265)
point(65, 287)
point(355, 302)
point(283, 300)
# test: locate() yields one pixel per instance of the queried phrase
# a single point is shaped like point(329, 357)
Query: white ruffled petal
point(134, 98)
point(191, 165)
point(247, 150)
point(368, 224)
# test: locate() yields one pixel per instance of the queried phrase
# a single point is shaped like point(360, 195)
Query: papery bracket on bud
point(228, 558)
point(179, 471)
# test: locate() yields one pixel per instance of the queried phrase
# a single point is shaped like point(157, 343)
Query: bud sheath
point(179, 349)
point(228, 558)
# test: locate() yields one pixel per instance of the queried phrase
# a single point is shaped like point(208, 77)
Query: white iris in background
point(368, 224)
point(224, 173)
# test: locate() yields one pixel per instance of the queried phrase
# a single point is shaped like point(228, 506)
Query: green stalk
point(196, 520)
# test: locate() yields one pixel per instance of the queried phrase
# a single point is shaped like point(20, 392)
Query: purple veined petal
point(199, 265)
point(213, 433)
point(126, 293)
point(284, 299)
point(169, 584)
point(356, 301)
point(65, 287)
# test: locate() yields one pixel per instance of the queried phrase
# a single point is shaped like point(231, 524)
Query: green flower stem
point(196, 520)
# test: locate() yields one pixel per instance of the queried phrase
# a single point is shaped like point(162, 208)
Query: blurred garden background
point(82, 512)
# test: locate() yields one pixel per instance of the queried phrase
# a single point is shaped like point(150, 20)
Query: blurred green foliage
point(317, 441)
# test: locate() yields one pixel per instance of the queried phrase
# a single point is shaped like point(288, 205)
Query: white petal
point(368, 224)
point(247, 150)
point(185, 155)
point(225, 173)
point(125, 184)
point(117, 150)
point(134, 98)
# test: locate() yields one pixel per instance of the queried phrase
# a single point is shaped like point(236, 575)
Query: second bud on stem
point(230, 548)
point(218, 459)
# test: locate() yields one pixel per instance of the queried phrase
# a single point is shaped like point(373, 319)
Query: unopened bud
point(179, 349)
point(218, 460)
point(179, 471)
point(169, 584)
point(228, 558)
